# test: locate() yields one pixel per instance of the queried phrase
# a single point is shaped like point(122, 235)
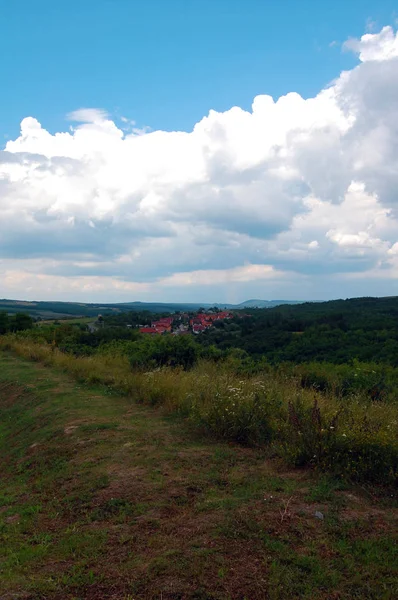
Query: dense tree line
point(131, 317)
point(340, 331)
point(14, 323)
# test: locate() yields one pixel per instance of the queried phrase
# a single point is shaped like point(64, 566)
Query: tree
point(21, 321)
point(4, 323)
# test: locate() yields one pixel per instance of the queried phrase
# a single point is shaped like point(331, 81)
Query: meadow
point(105, 497)
point(350, 435)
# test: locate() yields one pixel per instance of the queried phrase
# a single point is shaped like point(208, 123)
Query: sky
point(198, 150)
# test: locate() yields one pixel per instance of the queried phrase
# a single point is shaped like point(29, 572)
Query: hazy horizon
point(193, 301)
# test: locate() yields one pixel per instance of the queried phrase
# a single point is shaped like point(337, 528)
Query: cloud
point(249, 203)
point(213, 276)
point(88, 115)
point(375, 46)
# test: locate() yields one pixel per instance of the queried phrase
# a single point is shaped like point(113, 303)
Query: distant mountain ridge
point(265, 303)
point(54, 310)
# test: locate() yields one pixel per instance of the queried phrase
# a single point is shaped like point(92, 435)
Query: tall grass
point(351, 436)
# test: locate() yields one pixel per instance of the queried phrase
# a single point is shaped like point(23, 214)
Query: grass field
point(102, 498)
point(69, 321)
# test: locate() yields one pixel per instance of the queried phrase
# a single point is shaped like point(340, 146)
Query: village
point(180, 324)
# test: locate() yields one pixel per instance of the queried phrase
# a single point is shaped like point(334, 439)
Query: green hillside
point(54, 310)
point(104, 498)
point(48, 310)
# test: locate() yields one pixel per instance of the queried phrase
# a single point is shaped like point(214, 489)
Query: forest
point(339, 331)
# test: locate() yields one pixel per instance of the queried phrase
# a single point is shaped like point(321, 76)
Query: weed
point(324, 489)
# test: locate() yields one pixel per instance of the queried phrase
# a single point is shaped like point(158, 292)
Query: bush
point(378, 382)
point(240, 411)
point(354, 442)
point(160, 351)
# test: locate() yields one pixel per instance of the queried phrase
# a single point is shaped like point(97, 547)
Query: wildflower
point(343, 435)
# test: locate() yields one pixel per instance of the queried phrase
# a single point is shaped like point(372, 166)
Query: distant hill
point(54, 310)
point(265, 303)
point(57, 310)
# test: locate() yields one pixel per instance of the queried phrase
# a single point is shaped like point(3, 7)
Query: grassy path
point(102, 498)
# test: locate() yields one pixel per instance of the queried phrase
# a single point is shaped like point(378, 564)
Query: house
point(148, 330)
point(203, 321)
point(198, 328)
point(166, 321)
point(163, 325)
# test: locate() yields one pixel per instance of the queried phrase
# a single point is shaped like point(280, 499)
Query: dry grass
point(352, 437)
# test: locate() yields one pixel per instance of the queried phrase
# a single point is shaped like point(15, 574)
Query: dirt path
point(102, 498)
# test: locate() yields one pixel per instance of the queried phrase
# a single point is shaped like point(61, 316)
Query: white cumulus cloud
point(375, 46)
point(289, 198)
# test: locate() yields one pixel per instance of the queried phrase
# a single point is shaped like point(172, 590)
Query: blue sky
point(165, 63)
point(198, 150)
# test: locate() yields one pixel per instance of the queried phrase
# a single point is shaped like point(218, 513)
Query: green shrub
point(353, 442)
point(239, 414)
point(378, 382)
